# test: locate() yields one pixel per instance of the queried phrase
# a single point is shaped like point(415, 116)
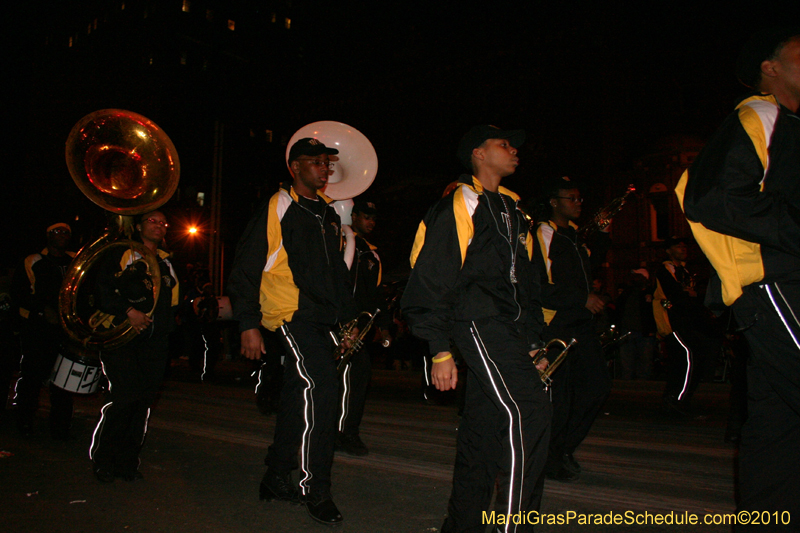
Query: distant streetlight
point(193, 230)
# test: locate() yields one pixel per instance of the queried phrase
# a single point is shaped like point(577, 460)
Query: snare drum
point(76, 373)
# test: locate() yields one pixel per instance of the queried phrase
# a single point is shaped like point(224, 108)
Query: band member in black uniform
point(683, 322)
point(742, 200)
point(473, 283)
point(9, 344)
point(366, 275)
point(289, 275)
point(582, 383)
point(35, 288)
point(135, 370)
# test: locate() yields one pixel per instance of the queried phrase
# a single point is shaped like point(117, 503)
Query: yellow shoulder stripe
point(464, 203)
point(419, 240)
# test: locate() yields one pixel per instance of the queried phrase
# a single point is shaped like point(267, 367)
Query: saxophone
point(603, 217)
point(343, 358)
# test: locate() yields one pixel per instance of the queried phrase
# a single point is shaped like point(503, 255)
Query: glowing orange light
point(192, 230)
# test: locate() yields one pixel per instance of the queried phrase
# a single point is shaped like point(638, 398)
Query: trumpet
point(545, 374)
point(355, 344)
point(612, 337)
point(603, 217)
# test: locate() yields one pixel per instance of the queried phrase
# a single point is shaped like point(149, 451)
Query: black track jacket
point(289, 265)
point(461, 264)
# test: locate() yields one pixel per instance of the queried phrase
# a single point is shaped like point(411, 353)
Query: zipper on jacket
point(580, 258)
point(321, 221)
point(512, 248)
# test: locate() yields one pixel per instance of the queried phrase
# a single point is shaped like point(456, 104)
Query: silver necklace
point(507, 217)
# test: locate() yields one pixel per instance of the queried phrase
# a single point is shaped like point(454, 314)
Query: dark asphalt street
point(203, 461)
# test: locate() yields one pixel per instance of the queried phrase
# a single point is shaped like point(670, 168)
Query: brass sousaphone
point(127, 165)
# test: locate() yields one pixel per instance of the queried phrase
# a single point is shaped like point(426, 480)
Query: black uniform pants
point(768, 460)
point(580, 387)
point(306, 419)
point(353, 392)
point(40, 343)
point(135, 373)
point(9, 358)
point(691, 358)
point(505, 428)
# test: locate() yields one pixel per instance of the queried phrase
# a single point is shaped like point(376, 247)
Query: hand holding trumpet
point(349, 339)
point(541, 364)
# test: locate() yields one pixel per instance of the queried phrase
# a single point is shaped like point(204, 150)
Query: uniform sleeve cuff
point(438, 346)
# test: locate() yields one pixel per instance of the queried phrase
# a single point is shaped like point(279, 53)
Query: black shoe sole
point(104, 476)
point(325, 522)
point(130, 478)
point(562, 477)
point(353, 453)
point(265, 494)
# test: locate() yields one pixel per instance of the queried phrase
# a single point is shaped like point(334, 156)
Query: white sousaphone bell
point(352, 172)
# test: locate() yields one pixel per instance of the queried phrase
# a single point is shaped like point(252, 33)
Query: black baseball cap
point(365, 207)
point(672, 241)
point(311, 147)
point(478, 135)
point(563, 183)
point(761, 46)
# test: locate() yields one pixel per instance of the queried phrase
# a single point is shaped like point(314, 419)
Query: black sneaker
point(323, 510)
point(562, 475)
point(571, 464)
point(104, 475)
point(351, 445)
point(277, 487)
point(674, 406)
point(128, 475)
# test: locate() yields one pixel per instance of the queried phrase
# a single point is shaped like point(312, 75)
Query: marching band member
point(742, 200)
point(682, 321)
point(35, 287)
point(366, 276)
point(473, 283)
point(289, 275)
point(582, 382)
point(135, 370)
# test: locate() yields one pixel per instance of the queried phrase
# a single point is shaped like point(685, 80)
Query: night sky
point(595, 88)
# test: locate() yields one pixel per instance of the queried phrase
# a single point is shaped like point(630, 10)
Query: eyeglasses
point(61, 231)
point(573, 199)
point(317, 162)
point(162, 223)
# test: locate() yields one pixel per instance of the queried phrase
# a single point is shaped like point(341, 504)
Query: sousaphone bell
point(127, 165)
point(351, 173)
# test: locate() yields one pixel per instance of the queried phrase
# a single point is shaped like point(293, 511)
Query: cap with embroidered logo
point(310, 147)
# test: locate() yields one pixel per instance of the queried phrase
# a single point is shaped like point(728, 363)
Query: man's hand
point(252, 344)
point(444, 375)
point(543, 362)
point(348, 341)
point(595, 304)
point(139, 321)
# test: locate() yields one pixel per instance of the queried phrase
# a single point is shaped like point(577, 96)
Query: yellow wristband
point(442, 358)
